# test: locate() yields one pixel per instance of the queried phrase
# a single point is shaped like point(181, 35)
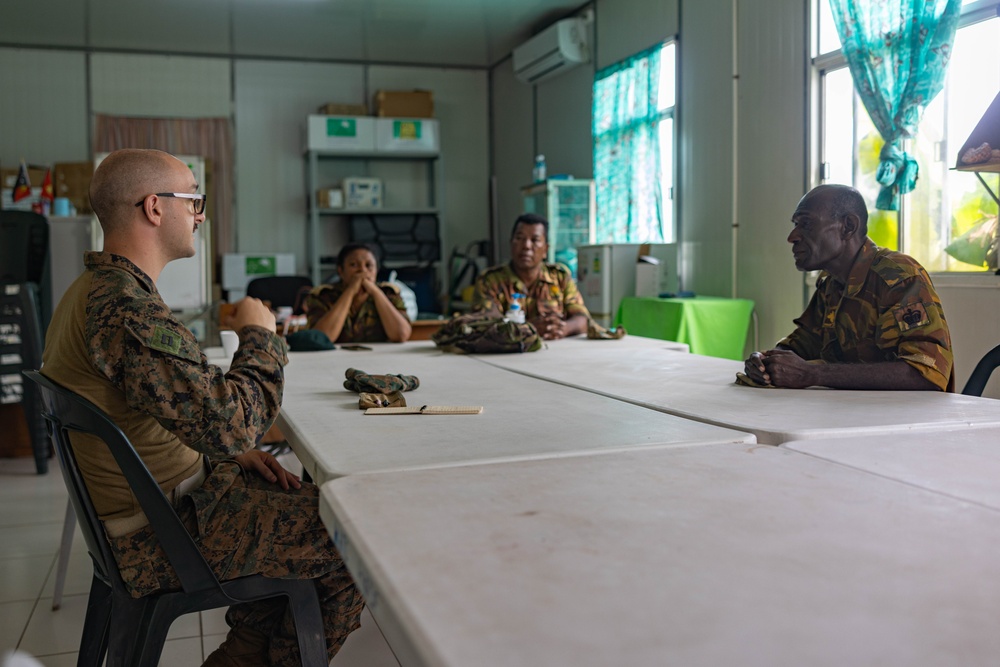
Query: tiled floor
point(32, 508)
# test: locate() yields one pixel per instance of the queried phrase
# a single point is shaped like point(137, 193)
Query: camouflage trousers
point(245, 525)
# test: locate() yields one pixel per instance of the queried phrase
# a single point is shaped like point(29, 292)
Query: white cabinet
point(569, 207)
point(404, 227)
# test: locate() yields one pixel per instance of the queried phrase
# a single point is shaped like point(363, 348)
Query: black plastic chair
point(281, 290)
point(132, 631)
point(976, 383)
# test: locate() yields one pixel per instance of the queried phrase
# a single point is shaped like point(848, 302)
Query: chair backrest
point(25, 244)
point(64, 411)
point(279, 290)
point(976, 383)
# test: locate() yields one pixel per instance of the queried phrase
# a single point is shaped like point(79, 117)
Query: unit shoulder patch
point(910, 316)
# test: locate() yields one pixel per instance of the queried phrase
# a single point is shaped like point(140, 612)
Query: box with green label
point(348, 134)
point(406, 135)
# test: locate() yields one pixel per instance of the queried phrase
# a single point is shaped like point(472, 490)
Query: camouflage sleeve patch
point(167, 339)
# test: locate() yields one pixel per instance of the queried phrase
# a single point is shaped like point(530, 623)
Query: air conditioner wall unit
point(560, 47)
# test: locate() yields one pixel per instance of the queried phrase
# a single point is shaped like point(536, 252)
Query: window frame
point(669, 200)
point(822, 64)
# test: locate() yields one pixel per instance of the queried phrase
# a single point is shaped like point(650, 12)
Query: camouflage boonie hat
point(362, 382)
point(484, 333)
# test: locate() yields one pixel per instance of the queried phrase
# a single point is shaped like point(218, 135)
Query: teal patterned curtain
point(627, 151)
point(898, 52)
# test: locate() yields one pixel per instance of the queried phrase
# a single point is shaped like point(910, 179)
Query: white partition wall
point(460, 104)
point(272, 102)
point(46, 123)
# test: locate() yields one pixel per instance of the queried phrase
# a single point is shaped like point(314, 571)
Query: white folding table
point(713, 555)
point(523, 417)
point(646, 373)
point(963, 464)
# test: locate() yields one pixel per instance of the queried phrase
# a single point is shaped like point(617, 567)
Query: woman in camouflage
point(357, 309)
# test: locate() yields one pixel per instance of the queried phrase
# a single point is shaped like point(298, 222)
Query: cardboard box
point(347, 134)
point(72, 180)
point(647, 276)
point(334, 109)
point(362, 192)
point(404, 104)
point(401, 135)
point(330, 198)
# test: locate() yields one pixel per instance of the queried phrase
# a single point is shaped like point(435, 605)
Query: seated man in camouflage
point(115, 342)
point(551, 300)
point(874, 322)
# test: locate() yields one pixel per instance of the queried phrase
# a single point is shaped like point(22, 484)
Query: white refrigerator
point(606, 274)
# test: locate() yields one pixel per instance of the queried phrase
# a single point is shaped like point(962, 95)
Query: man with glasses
point(114, 341)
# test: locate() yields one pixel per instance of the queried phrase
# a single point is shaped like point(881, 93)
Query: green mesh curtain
point(898, 54)
point(627, 151)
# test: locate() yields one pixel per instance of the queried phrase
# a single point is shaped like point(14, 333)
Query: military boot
point(243, 647)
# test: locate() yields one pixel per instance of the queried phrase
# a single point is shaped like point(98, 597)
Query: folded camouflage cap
point(393, 400)
point(360, 381)
point(308, 340)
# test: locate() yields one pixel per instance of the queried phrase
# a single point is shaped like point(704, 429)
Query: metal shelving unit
point(430, 206)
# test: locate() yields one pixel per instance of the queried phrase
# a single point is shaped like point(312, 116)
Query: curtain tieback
point(897, 174)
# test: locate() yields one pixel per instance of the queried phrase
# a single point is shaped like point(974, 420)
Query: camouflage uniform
point(113, 340)
point(554, 292)
point(364, 326)
point(887, 311)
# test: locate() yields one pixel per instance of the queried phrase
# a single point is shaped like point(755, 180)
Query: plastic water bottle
point(515, 313)
point(538, 173)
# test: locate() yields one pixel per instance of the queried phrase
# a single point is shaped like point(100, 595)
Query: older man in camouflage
point(874, 322)
point(114, 341)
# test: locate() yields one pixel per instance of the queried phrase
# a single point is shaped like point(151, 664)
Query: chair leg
point(126, 638)
point(304, 605)
point(96, 624)
point(69, 525)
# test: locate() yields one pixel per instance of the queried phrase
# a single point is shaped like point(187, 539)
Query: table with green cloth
point(710, 325)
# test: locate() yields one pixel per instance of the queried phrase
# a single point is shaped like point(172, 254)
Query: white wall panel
point(565, 133)
point(461, 106)
point(513, 148)
point(771, 175)
point(625, 27)
point(272, 102)
point(298, 30)
point(160, 86)
point(971, 305)
point(43, 107)
point(60, 23)
point(173, 26)
point(705, 146)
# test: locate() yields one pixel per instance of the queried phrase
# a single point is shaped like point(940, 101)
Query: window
point(634, 103)
point(946, 204)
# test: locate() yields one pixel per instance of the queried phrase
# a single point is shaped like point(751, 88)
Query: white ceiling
point(476, 33)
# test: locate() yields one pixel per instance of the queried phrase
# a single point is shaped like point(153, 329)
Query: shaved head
point(842, 200)
point(125, 177)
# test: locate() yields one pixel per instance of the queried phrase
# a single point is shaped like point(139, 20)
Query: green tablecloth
point(710, 325)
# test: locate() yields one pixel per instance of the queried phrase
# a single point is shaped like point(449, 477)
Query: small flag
point(47, 191)
point(22, 186)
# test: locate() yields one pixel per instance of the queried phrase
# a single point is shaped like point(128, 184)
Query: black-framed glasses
point(199, 200)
